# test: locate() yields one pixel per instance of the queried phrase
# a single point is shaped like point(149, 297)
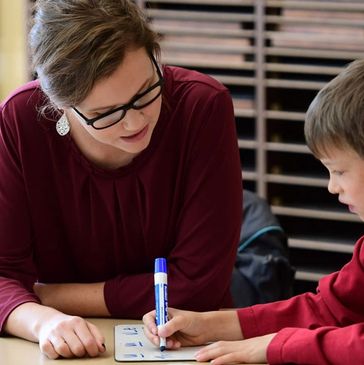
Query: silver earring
point(62, 125)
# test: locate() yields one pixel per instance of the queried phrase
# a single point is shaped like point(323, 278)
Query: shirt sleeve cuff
point(275, 348)
point(248, 322)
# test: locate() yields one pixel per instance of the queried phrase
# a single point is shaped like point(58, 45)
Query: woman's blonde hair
point(335, 118)
point(75, 43)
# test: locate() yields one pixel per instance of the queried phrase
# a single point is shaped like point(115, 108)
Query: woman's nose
point(133, 120)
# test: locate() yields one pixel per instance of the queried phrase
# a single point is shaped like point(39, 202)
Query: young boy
point(322, 328)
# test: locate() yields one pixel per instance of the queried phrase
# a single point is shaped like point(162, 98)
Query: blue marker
point(161, 298)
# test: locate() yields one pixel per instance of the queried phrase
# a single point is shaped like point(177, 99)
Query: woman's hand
point(250, 351)
point(62, 335)
point(58, 334)
point(185, 328)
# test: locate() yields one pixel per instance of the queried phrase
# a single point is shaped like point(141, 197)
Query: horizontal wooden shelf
point(315, 213)
point(200, 15)
point(294, 84)
point(288, 4)
point(286, 147)
point(205, 31)
point(235, 80)
point(313, 53)
point(320, 245)
point(206, 2)
point(278, 19)
point(296, 180)
point(248, 144)
point(284, 115)
point(317, 5)
point(307, 275)
point(184, 60)
point(249, 175)
point(245, 113)
point(302, 69)
point(213, 48)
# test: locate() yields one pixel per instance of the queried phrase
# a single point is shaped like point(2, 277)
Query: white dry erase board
point(132, 345)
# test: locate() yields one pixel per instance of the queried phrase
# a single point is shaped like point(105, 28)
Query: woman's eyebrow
point(111, 107)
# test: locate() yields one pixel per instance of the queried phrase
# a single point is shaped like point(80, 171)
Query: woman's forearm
point(26, 319)
point(86, 300)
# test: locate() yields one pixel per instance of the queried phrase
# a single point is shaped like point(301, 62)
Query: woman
point(108, 161)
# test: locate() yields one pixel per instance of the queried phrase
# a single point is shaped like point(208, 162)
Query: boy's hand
point(184, 328)
point(250, 351)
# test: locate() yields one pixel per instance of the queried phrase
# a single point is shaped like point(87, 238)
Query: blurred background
point(14, 68)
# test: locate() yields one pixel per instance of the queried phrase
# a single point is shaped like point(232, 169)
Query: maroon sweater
point(323, 328)
point(64, 220)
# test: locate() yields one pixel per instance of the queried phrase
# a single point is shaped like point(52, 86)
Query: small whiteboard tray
point(132, 345)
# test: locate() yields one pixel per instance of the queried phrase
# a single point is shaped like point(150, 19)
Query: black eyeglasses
point(139, 101)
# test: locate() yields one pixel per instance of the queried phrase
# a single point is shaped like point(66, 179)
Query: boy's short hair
point(335, 117)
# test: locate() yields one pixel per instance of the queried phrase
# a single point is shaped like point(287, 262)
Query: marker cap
point(160, 265)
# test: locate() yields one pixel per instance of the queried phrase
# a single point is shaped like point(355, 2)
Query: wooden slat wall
point(274, 56)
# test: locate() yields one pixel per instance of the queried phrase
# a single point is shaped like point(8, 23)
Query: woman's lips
point(137, 136)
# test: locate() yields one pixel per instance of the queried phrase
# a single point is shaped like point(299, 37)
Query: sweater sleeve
point(325, 345)
point(17, 273)
point(322, 328)
point(207, 228)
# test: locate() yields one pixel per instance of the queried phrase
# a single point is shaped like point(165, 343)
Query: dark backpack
point(262, 271)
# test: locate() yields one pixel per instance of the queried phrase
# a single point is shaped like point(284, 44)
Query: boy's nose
point(333, 187)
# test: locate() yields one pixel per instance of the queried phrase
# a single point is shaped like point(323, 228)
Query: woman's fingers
point(75, 345)
point(100, 339)
point(82, 341)
point(47, 349)
point(61, 347)
point(68, 337)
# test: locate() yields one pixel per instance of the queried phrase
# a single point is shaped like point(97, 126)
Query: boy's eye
point(337, 172)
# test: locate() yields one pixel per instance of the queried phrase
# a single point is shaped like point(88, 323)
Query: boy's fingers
point(149, 322)
point(150, 328)
point(231, 358)
point(152, 338)
point(173, 344)
point(171, 327)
